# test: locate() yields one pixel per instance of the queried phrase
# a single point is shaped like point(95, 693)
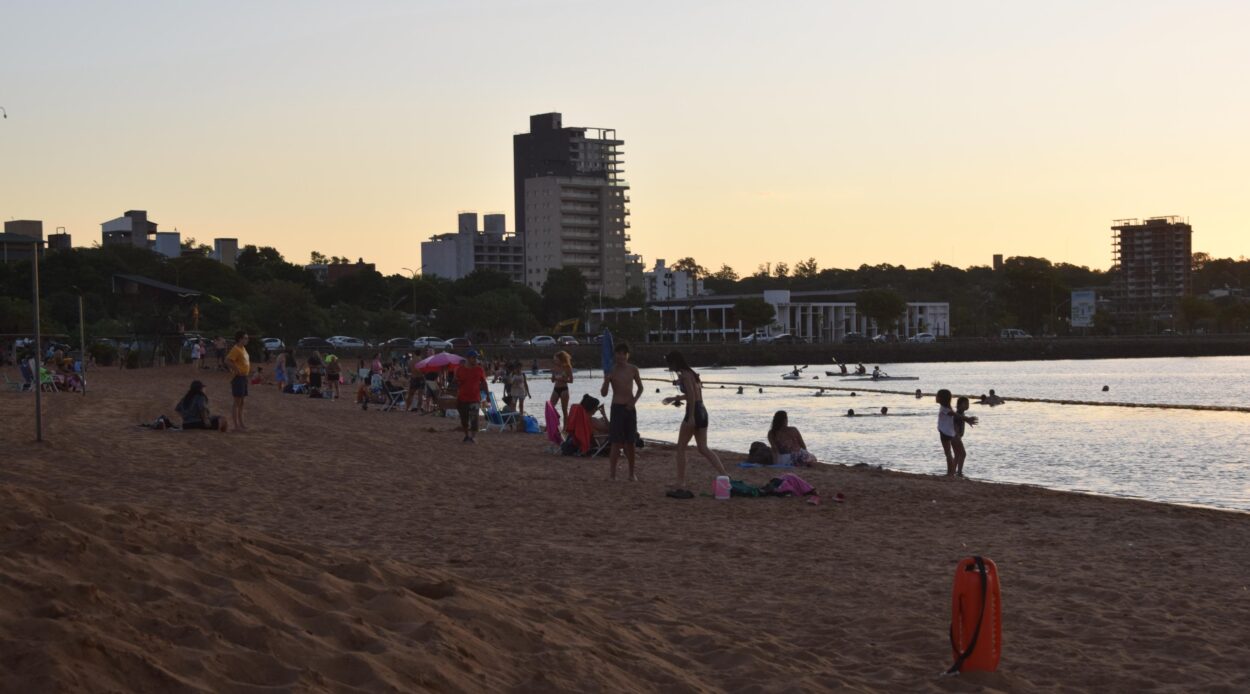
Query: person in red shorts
point(470, 390)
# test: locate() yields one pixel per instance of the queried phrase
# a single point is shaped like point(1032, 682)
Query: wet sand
point(329, 548)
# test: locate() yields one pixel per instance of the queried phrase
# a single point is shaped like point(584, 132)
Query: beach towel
point(553, 424)
point(791, 484)
point(578, 426)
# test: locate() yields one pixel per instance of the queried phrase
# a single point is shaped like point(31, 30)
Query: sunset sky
point(854, 132)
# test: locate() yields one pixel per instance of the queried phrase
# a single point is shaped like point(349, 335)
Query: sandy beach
point(334, 549)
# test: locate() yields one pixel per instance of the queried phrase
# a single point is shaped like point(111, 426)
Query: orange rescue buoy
point(976, 616)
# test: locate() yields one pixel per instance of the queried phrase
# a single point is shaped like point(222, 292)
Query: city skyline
point(901, 135)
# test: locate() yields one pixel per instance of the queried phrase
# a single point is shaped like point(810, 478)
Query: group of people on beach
point(469, 382)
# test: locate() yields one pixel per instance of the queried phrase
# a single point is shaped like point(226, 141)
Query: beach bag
point(740, 488)
point(531, 425)
point(569, 447)
point(760, 454)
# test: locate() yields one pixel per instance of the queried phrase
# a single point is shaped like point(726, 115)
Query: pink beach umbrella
point(439, 361)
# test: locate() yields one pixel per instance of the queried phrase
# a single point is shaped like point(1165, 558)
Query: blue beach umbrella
point(608, 348)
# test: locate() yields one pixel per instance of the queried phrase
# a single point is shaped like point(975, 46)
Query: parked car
point(272, 344)
point(787, 339)
point(922, 337)
point(882, 338)
point(313, 343)
point(1014, 334)
point(543, 341)
point(397, 343)
point(567, 341)
point(459, 343)
point(431, 342)
point(345, 342)
point(852, 338)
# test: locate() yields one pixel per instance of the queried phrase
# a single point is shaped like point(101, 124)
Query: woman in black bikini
point(562, 376)
point(694, 424)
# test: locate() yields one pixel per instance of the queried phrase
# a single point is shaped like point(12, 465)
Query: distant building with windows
point(571, 204)
point(814, 316)
point(666, 284)
point(131, 229)
point(456, 255)
point(14, 247)
point(1152, 265)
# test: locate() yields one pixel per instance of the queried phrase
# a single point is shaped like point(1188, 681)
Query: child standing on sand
point(952, 446)
point(961, 418)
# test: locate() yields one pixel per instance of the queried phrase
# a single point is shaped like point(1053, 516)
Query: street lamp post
point(38, 361)
point(414, 287)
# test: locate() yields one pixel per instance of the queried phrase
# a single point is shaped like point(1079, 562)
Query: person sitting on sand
point(787, 443)
point(193, 408)
point(258, 378)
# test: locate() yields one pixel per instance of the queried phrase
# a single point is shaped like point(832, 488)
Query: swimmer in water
point(850, 413)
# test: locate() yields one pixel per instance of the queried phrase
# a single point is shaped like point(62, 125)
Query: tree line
point(268, 295)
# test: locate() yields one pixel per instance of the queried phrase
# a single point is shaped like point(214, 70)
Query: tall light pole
point(37, 365)
point(414, 287)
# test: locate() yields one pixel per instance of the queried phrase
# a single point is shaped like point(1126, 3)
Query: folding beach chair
point(394, 398)
point(497, 418)
point(16, 385)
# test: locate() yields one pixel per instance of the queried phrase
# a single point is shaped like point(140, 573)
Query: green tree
point(284, 309)
point(1195, 310)
point(754, 313)
point(781, 269)
point(317, 258)
point(882, 306)
point(564, 295)
point(725, 273)
point(806, 269)
point(689, 265)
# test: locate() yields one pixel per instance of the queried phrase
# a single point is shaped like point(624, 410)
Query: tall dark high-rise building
point(571, 204)
point(550, 149)
point(1152, 264)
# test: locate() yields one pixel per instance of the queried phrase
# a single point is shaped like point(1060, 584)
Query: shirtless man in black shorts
point(626, 386)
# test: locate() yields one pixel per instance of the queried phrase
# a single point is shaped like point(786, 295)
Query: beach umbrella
point(439, 361)
point(607, 347)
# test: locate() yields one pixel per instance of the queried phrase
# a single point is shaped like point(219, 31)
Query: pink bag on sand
point(793, 484)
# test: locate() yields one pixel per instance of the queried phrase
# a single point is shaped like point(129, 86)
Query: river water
point(1169, 455)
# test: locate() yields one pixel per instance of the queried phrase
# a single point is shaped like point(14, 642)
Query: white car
point(430, 342)
point(345, 342)
point(922, 337)
point(543, 341)
point(272, 344)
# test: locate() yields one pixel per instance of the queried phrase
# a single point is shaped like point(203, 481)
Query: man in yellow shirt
point(240, 369)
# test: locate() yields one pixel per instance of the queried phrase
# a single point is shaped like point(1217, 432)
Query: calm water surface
point(1176, 456)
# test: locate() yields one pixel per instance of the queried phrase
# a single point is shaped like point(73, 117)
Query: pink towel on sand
point(553, 424)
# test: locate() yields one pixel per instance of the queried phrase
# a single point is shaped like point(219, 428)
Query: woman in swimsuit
point(694, 424)
point(562, 376)
point(787, 443)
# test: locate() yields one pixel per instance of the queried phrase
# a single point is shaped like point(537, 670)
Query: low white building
point(815, 316)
